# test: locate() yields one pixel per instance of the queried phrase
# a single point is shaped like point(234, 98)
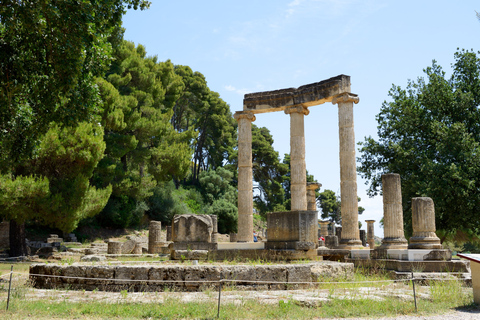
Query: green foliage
point(168, 201)
point(227, 215)
point(429, 133)
point(330, 205)
point(220, 197)
point(203, 111)
point(268, 172)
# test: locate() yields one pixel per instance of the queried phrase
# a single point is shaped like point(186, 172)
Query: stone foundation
point(156, 277)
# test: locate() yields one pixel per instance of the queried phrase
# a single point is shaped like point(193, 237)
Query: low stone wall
point(160, 277)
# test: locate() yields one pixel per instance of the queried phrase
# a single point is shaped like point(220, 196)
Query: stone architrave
point(370, 233)
point(154, 237)
point(324, 228)
point(423, 224)
point(245, 175)
point(311, 199)
point(350, 237)
point(394, 237)
point(298, 173)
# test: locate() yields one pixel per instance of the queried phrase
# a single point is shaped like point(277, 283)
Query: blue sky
point(251, 46)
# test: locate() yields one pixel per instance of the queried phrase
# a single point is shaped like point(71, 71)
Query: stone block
point(417, 254)
point(114, 247)
point(192, 228)
point(233, 237)
point(206, 275)
point(438, 255)
point(331, 241)
point(189, 254)
point(93, 257)
point(397, 254)
point(128, 246)
point(363, 254)
point(292, 230)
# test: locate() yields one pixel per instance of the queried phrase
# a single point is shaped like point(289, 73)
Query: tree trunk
point(18, 243)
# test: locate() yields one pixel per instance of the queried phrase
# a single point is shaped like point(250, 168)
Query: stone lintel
point(308, 95)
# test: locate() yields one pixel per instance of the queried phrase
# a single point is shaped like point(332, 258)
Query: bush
point(227, 215)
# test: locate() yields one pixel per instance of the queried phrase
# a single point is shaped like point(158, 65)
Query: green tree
point(220, 197)
point(429, 133)
point(50, 54)
point(268, 172)
point(331, 206)
point(143, 148)
point(202, 110)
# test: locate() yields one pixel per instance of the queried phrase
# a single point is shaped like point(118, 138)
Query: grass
point(344, 300)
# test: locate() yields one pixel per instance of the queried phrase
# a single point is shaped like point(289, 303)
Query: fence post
point(219, 297)
point(9, 286)
point(414, 295)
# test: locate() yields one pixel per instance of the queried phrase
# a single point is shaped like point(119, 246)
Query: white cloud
point(237, 91)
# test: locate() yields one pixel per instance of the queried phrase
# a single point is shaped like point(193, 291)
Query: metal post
point(9, 286)
point(219, 297)
point(414, 295)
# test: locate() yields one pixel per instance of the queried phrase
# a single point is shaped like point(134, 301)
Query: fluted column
point(298, 170)
point(370, 233)
point(324, 228)
point(350, 237)
point(311, 199)
point(245, 184)
point(393, 237)
point(423, 223)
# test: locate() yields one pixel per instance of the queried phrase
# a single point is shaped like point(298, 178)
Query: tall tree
point(429, 133)
point(50, 54)
point(203, 110)
point(268, 172)
point(143, 148)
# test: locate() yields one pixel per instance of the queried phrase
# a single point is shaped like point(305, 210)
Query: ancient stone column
point(423, 223)
point(154, 237)
point(169, 233)
point(350, 237)
point(393, 237)
point(298, 170)
point(324, 228)
point(245, 174)
point(370, 233)
point(215, 229)
point(311, 199)
point(114, 247)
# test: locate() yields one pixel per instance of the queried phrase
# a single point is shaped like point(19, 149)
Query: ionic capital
point(346, 97)
point(244, 115)
point(297, 109)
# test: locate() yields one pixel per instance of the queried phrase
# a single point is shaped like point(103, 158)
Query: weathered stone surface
point(183, 277)
point(192, 228)
point(92, 257)
point(331, 270)
point(423, 225)
point(127, 246)
point(442, 255)
point(114, 247)
point(189, 254)
point(292, 230)
point(307, 95)
point(331, 242)
point(154, 237)
point(394, 237)
point(46, 251)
